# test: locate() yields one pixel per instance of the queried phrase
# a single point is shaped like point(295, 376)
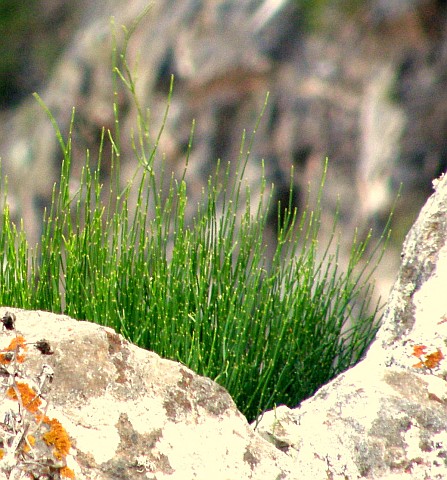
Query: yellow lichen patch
point(66, 472)
point(31, 441)
point(58, 437)
point(29, 397)
point(2, 453)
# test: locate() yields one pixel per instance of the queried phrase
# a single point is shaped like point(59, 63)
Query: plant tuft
point(202, 292)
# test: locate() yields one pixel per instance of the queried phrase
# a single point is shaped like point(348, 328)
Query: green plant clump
point(202, 292)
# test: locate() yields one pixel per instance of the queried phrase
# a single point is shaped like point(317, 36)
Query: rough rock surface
point(131, 414)
point(386, 418)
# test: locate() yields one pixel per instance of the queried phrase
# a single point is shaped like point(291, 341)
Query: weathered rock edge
point(131, 414)
point(386, 417)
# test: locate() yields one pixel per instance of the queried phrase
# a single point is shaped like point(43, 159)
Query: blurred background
point(363, 83)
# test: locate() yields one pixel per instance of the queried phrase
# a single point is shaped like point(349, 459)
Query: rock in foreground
point(386, 418)
point(115, 411)
point(130, 414)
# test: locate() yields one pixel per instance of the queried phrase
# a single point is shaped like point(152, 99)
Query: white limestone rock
point(131, 414)
point(385, 418)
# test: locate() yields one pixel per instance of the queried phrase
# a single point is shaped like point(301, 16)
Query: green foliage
point(203, 292)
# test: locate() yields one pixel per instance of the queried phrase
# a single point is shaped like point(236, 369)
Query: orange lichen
point(31, 441)
point(17, 342)
point(419, 350)
point(431, 360)
point(48, 430)
point(18, 346)
point(39, 417)
point(58, 437)
point(5, 358)
point(66, 472)
point(30, 399)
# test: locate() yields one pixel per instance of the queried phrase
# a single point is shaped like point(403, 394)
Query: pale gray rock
point(131, 414)
point(385, 418)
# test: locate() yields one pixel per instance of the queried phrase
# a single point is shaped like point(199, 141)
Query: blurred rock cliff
point(362, 83)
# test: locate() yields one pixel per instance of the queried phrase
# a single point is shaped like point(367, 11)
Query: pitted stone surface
point(386, 418)
point(131, 414)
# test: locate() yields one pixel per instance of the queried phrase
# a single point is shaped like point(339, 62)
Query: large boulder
point(127, 412)
point(385, 418)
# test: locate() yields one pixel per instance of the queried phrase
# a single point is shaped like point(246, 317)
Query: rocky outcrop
point(385, 418)
point(127, 413)
point(95, 406)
